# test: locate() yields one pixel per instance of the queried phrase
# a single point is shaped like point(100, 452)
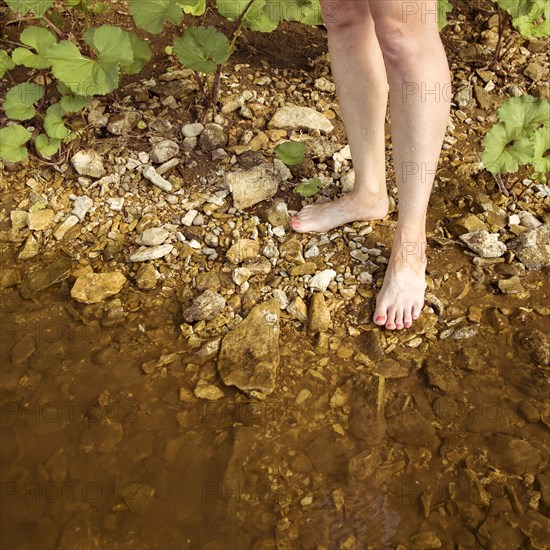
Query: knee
point(399, 45)
point(343, 15)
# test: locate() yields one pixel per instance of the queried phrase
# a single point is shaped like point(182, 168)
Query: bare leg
point(361, 83)
point(419, 79)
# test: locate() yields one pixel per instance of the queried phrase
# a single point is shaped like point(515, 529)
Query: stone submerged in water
point(41, 279)
point(249, 355)
point(95, 287)
point(484, 244)
point(205, 307)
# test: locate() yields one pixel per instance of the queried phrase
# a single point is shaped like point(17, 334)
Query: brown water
point(98, 454)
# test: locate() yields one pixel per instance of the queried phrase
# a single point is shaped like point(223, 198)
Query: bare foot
point(322, 217)
point(401, 297)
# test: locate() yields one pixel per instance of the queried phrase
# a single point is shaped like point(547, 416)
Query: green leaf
point(100, 7)
point(46, 146)
point(54, 123)
point(504, 151)
point(111, 43)
point(40, 40)
point(20, 100)
point(524, 113)
point(530, 17)
point(541, 160)
point(443, 8)
point(202, 48)
point(37, 7)
point(6, 63)
point(193, 7)
point(142, 54)
point(291, 152)
point(74, 103)
point(12, 139)
point(152, 14)
point(82, 75)
point(309, 187)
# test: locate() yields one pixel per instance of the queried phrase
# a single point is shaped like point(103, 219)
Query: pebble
point(95, 287)
point(164, 151)
point(296, 118)
point(319, 314)
point(40, 220)
point(153, 236)
point(204, 307)
point(62, 229)
point(156, 179)
point(81, 206)
point(116, 204)
point(204, 390)
point(88, 163)
point(484, 244)
point(322, 279)
point(152, 253)
point(192, 130)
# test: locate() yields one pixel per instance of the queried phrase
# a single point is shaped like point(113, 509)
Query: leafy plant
point(308, 187)
point(291, 152)
point(520, 138)
point(530, 17)
point(443, 8)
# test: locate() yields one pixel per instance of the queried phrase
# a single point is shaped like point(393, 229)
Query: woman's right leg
point(362, 88)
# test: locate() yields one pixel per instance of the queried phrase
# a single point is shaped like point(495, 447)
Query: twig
point(500, 32)
point(61, 34)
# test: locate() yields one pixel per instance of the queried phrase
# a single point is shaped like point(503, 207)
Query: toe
point(390, 322)
point(399, 318)
point(379, 316)
point(407, 316)
point(417, 308)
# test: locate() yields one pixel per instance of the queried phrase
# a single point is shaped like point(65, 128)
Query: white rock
point(296, 118)
point(250, 187)
point(192, 130)
point(345, 152)
point(484, 244)
point(193, 243)
point(81, 206)
point(359, 255)
point(152, 253)
point(60, 230)
point(189, 217)
point(156, 179)
point(312, 252)
point(322, 279)
point(153, 236)
point(324, 85)
point(116, 204)
point(514, 219)
point(88, 163)
point(528, 220)
point(279, 231)
point(240, 275)
point(270, 250)
point(281, 297)
point(143, 157)
point(364, 278)
point(164, 150)
point(282, 169)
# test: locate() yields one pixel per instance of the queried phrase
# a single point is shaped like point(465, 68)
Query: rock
point(536, 72)
point(321, 280)
point(88, 163)
point(96, 119)
point(297, 309)
point(252, 186)
point(484, 244)
point(9, 277)
point(281, 297)
point(204, 390)
point(463, 96)
point(249, 354)
point(147, 277)
point(37, 281)
point(466, 224)
point(205, 307)
point(537, 527)
point(30, 249)
point(153, 236)
point(440, 375)
point(281, 169)
point(243, 249)
point(93, 288)
point(192, 130)
point(412, 428)
point(19, 219)
point(363, 465)
point(291, 250)
point(240, 275)
point(116, 203)
point(62, 228)
point(212, 137)
point(164, 150)
point(483, 97)
point(277, 214)
point(156, 179)
point(153, 253)
point(424, 541)
point(324, 85)
point(124, 123)
point(533, 247)
point(513, 286)
point(319, 314)
point(347, 181)
point(536, 342)
point(39, 220)
point(526, 219)
point(513, 455)
point(297, 118)
point(81, 206)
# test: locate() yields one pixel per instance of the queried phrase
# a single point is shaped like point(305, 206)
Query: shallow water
point(427, 444)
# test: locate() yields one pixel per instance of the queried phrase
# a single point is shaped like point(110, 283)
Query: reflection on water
point(356, 448)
